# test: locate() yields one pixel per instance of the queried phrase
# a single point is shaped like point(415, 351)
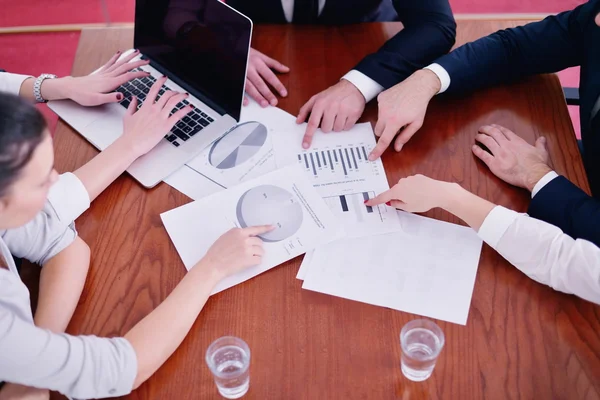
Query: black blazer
point(558, 42)
point(429, 30)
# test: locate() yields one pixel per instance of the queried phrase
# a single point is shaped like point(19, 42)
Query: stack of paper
point(375, 255)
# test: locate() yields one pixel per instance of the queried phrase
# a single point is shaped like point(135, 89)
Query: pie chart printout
point(238, 146)
point(270, 205)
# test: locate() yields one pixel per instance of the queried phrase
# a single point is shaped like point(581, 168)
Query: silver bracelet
point(37, 87)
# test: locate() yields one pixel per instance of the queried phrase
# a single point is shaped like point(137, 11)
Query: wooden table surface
point(522, 339)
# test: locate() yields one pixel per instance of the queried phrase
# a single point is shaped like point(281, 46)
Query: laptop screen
point(202, 45)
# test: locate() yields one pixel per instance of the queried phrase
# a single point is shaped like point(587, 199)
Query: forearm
point(465, 205)
point(61, 283)
point(550, 45)
point(159, 334)
point(106, 167)
point(51, 89)
point(429, 32)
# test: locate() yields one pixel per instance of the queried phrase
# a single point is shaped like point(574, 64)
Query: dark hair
point(22, 129)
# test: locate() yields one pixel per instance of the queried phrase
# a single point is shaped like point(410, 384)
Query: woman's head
point(26, 161)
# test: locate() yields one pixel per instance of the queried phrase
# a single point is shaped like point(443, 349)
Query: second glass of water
point(421, 341)
point(229, 361)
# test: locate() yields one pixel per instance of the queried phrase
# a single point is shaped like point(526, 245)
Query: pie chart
point(270, 205)
point(238, 146)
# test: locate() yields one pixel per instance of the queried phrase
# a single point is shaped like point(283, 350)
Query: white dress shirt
point(365, 85)
point(11, 83)
point(544, 253)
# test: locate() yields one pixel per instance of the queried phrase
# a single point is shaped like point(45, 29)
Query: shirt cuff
point(543, 182)
point(495, 225)
point(367, 86)
point(69, 197)
point(11, 83)
point(442, 75)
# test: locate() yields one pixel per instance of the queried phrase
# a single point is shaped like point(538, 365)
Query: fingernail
point(191, 105)
point(284, 92)
point(371, 157)
point(164, 76)
point(119, 97)
point(136, 51)
point(305, 145)
point(366, 201)
point(388, 203)
point(119, 52)
point(273, 102)
point(264, 103)
point(187, 94)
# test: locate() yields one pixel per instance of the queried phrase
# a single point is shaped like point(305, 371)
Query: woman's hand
point(236, 250)
point(144, 128)
point(96, 89)
point(416, 193)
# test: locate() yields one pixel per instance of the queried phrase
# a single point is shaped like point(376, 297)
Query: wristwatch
point(37, 87)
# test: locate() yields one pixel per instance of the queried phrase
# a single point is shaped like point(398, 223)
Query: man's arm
point(563, 204)
point(429, 31)
point(550, 45)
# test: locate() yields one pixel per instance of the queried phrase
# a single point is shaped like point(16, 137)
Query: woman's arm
point(142, 130)
point(538, 249)
point(61, 283)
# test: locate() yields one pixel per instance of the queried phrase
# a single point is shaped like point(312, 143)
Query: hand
point(402, 109)
point(416, 193)
point(259, 71)
point(236, 250)
point(336, 108)
point(12, 391)
point(96, 89)
point(142, 130)
point(513, 159)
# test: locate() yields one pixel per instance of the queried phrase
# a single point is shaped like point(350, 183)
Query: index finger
point(258, 230)
point(383, 143)
point(384, 197)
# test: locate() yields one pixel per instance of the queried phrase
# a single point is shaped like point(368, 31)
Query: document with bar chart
point(339, 168)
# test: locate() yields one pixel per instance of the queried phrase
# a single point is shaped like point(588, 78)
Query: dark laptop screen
point(201, 44)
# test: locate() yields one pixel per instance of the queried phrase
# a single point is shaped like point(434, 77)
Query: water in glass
point(229, 362)
point(421, 343)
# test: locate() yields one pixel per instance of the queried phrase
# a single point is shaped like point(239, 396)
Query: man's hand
point(336, 108)
point(512, 159)
point(402, 110)
point(12, 391)
point(260, 70)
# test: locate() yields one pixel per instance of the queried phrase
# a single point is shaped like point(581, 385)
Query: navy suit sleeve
point(563, 204)
point(550, 45)
point(429, 31)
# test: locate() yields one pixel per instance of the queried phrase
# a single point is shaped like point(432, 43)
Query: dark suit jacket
point(429, 30)
point(558, 42)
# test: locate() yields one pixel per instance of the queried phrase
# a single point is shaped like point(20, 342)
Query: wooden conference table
point(522, 339)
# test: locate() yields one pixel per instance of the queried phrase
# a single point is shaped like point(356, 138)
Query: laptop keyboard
point(190, 125)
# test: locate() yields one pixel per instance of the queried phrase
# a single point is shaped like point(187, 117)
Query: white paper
point(245, 152)
point(339, 169)
point(304, 265)
point(191, 183)
point(428, 268)
point(284, 198)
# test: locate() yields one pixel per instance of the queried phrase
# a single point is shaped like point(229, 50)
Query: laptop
point(203, 47)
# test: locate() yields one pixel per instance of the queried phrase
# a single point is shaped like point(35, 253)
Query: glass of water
point(421, 341)
point(229, 361)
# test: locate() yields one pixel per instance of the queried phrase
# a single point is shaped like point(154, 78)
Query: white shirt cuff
point(495, 225)
point(11, 83)
point(367, 86)
point(543, 182)
point(442, 75)
point(69, 197)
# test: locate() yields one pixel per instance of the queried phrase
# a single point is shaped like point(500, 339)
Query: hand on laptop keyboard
point(183, 130)
point(98, 88)
point(146, 124)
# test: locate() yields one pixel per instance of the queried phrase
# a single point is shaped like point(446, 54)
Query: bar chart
point(340, 162)
point(351, 207)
